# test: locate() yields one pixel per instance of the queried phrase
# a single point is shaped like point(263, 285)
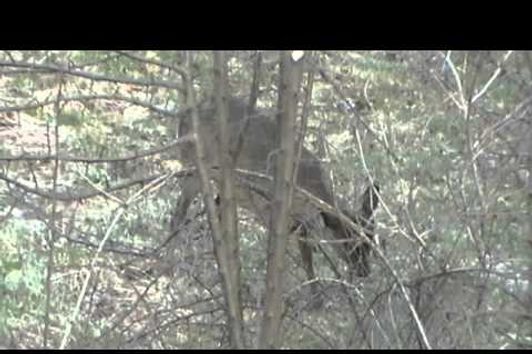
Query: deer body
point(256, 132)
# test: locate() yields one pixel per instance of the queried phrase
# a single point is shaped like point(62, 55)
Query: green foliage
point(21, 274)
point(465, 212)
point(71, 118)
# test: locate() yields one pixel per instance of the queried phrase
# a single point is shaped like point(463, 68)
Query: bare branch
point(84, 98)
point(134, 156)
point(88, 193)
point(181, 71)
point(66, 69)
point(495, 74)
point(352, 109)
point(52, 233)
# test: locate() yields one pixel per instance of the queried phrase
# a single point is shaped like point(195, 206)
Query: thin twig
point(84, 98)
point(121, 210)
point(89, 160)
point(181, 71)
point(52, 232)
point(377, 250)
point(352, 110)
point(88, 193)
point(65, 69)
point(492, 78)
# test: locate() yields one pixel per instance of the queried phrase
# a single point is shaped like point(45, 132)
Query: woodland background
point(89, 179)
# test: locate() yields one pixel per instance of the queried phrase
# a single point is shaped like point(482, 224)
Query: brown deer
point(253, 142)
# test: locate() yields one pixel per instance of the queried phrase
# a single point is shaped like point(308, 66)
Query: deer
point(252, 139)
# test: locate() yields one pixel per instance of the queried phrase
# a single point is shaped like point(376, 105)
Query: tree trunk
point(228, 210)
point(290, 77)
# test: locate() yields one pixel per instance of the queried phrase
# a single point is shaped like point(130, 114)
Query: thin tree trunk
point(227, 205)
point(290, 77)
point(220, 244)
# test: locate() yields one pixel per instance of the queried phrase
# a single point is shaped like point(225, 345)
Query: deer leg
point(370, 202)
point(189, 190)
point(361, 261)
point(306, 250)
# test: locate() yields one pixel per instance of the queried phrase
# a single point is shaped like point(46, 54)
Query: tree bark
point(228, 210)
point(290, 77)
point(220, 245)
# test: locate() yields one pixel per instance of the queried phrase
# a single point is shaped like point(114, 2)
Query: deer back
point(257, 132)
